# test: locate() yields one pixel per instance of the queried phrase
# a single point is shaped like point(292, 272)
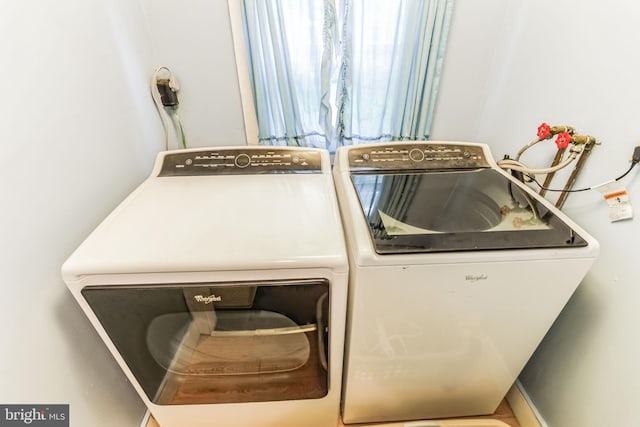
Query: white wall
point(193, 39)
point(79, 132)
point(513, 64)
point(480, 34)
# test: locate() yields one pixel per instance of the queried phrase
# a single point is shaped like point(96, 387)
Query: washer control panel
point(417, 156)
point(241, 161)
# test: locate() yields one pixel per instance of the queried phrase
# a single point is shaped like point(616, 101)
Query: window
point(326, 73)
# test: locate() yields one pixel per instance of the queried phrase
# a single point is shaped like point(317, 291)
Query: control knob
point(416, 155)
point(242, 160)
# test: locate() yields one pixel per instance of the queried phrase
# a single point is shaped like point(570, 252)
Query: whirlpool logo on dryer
point(208, 300)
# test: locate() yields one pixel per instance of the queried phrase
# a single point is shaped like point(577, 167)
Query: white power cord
point(167, 105)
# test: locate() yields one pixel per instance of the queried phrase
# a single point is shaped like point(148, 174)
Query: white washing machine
point(220, 287)
point(457, 271)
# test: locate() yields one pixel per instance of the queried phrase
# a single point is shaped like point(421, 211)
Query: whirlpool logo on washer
point(208, 300)
point(475, 277)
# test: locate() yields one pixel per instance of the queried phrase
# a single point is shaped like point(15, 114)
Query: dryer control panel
point(420, 156)
point(241, 161)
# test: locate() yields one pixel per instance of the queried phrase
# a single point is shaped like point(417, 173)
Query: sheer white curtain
point(332, 72)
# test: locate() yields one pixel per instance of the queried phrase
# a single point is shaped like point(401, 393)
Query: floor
point(503, 413)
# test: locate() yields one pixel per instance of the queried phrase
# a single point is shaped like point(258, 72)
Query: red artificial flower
point(544, 131)
point(563, 140)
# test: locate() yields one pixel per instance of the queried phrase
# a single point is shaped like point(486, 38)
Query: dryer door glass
point(457, 210)
point(220, 342)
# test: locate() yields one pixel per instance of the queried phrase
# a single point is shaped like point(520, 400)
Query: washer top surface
point(221, 209)
point(428, 197)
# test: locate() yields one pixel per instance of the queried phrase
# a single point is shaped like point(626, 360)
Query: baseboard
point(148, 421)
point(522, 407)
point(523, 410)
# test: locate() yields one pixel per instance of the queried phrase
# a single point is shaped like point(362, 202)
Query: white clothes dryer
point(457, 271)
point(220, 287)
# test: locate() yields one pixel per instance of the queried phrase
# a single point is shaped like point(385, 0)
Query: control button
point(366, 156)
point(188, 162)
point(242, 160)
point(466, 154)
point(416, 155)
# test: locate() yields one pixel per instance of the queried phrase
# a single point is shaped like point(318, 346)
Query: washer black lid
point(456, 210)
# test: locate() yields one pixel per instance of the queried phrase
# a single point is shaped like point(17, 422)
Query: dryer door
point(220, 342)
